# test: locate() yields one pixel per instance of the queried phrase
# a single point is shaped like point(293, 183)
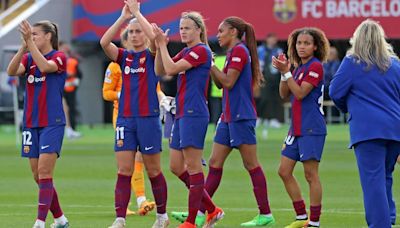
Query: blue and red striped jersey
point(43, 92)
point(191, 97)
point(307, 114)
point(139, 82)
point(238, 102)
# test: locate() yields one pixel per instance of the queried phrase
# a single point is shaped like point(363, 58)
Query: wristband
point(283, 79)
point(288, 75)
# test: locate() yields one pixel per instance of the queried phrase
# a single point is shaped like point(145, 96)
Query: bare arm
point(15, 67)
point(216, 81)
point(284, 91)
point(159, 67)
point(110, 48)
point(227, 80)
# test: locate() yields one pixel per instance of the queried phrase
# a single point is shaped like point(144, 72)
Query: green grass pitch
point(86, 173)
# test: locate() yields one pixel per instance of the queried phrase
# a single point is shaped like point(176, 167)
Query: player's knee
point(250, 165)
point(176, 169)
point(153, 171)
point(125, 170)
point(311, 176)
point(284, 173)
point(215, 163)
point(44, 172)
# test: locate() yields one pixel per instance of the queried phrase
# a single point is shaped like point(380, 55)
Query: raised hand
point(26, 30)
point(126, 13)
point(161, 37)
point(133, 5)
point(282, 64)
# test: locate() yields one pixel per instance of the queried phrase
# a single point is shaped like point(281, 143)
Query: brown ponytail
point(247, 30)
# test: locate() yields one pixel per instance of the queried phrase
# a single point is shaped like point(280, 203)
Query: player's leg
point(371, 156)
point(312, 177)
point(122, 194)
point(125, 148)
point(220, 151)
point(49, 146)
point(289, 158)
point(192, 134)
point(138, 187)
point(150, 137)
point(46, 164)
point(310, 148)
point(250, 162)
point(159, 187)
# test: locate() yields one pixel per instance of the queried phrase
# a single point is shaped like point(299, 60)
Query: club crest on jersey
point(141, 60)
point(27, 149)
point(120, 143)
point(285, 10)
point(31, 79)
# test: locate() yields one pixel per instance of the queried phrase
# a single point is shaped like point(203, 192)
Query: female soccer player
point(138, 125)
point(308, 47)
point(192, 65)
point(236, 127)
point(44, 118)
point(367, 86)
point(111, 91)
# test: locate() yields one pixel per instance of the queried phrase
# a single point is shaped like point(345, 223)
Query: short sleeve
point(315, 74)
point(178, 56)
point(120, 55)
point(24, 60)
point(238, 58)
point(196, 56)
point(61, 61)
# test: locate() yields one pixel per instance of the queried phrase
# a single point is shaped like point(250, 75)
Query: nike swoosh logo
point(148, 148)
point(44, 147)
point(301, 155)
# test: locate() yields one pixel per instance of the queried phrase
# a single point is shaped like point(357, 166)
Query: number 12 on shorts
point(26, 138)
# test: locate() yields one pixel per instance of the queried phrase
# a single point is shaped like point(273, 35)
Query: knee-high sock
point(45, 197)
point(300, 207)
point(122, 195)
point(315, 212)
point(206, 202)
point(196, 191)
point(159, 187)
point(260, 189)
point(137, 181)
point(213, 180)
point(55, 207)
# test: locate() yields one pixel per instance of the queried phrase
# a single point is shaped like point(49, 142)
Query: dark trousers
point(71, 102)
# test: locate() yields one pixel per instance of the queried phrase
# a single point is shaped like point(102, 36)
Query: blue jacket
point(372, 99)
